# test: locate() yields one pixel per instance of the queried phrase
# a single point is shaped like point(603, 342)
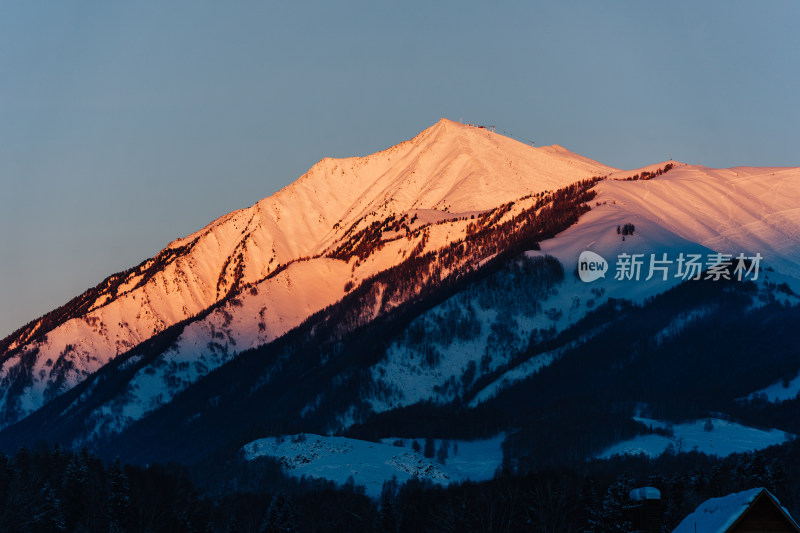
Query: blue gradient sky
point(126, 125)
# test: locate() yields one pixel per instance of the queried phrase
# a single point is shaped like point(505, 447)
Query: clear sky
point(124, 125)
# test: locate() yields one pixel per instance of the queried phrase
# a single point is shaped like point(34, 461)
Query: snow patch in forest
point(371, 463)
point(712, 436)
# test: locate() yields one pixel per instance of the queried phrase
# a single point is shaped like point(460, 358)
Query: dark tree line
point(647, 175)
point(626, 229)
point(50, 490)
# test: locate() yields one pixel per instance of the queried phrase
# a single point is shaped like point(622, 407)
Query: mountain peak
point(448, 168)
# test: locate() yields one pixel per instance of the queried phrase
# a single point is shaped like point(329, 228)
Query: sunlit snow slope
point(275, 263)
point(742, 209)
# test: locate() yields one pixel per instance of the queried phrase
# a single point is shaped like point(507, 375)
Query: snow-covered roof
point(717, 515)
point(645, 493)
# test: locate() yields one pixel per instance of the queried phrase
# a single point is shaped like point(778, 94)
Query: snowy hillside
point(370, 464)
point(711, 436)
point(450, 168)
point(741, 209)
point(786, 389)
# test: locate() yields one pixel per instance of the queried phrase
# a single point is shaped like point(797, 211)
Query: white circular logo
point(591, 266)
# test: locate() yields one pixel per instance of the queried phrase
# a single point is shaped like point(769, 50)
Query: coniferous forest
point(52, 490)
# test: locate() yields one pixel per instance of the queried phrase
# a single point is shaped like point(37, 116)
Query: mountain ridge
point(308, 218)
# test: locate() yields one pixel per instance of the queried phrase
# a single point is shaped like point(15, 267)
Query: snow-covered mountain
point(295, 251)
point(437, 274)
